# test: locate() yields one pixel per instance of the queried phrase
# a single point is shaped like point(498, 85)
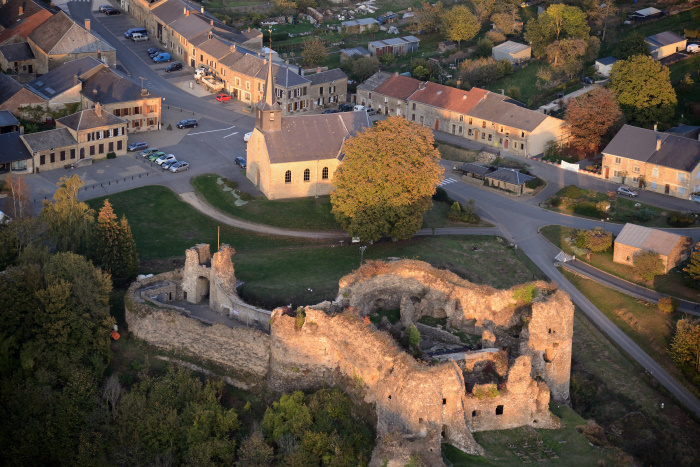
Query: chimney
point(94, 93)
point(658, 142)
point(248, 28)
point(187, 12)
point(655, 127)
point(144, 92)
point(503, 92)
point(87, 24)
point(75, 80)
point(211, 21)
point(99, 54)
point(21, 129)
point(421, 86)
point(202, 10)
point(21, 10)
point(98, 109)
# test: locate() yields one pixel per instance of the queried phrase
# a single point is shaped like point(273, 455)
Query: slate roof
point(449, 98)
point(676, 152)
point(44, 140)
point(62, 78)
point(496, 108)
point(358, 22)
point(510, 176)
point(216, 47)
point(190, 26)
point(7, 119)
point(8, 87)
point(511, 47)
point(13, 149)
point(327, 76)
point(282, 75)
point(361, 51)
point(86, 119)
point(398, 86)
point(474, 168)
point(107, 87)
point(313, 137)
point(664, 38)
point(371, 83)
point(17, 52)
point(59, 35)
point(648, 239)
point(606, 60)
point(170, 11)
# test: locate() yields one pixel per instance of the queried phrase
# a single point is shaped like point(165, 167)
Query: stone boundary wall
point(439, 334)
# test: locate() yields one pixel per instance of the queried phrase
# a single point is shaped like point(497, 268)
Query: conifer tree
point(113, 247)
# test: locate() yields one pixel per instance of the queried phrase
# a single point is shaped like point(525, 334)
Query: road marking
point(231, 134)
point(210, 131)
point(447, 181)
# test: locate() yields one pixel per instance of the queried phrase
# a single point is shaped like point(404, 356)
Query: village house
point(296, 156)
point(514, 52)
point(485, 117)
point(14, 95)
point(14, 157)
point(8, 122)
point(328, 88)
point(59, 40)
point(665, 44)
point(356, 26)
point(661, 162)
point(77, 138)
point(18, 18)
point(634, 239)
point(394, 45)
point(19, 59)
point(354, 52)
point(603, 66)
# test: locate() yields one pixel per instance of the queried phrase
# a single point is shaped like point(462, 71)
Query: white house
point(603, 66)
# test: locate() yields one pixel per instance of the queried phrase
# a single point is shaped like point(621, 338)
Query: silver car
point(180, 167)
point(170, 163)
point(165, 158)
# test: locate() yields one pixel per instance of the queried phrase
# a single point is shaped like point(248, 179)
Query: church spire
point(269, 85)
point(269, 112)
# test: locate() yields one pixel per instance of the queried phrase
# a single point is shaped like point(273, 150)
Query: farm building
point(512, 51)
point(634, 239)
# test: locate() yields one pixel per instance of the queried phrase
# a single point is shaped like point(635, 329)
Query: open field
point(670, 283)
point(651, 329)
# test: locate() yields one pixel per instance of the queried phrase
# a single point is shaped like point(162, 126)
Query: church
point(296, 156)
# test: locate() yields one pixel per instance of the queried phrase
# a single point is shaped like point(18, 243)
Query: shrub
point(111, 155)
point(648, 265)
point(246, 196)
point(555, 202)
point(414, 338)
point(491, 392)
point(525, 294)
point(534, 183)
point(586, 208)
point(603, 206)
point(442, 196)
point(581, 238)
point(455, 207)
point(300, 318)
point(598, 240)
point(465, 213)
point(680, 220)
point(668, 305)
point(571, 191)
point(644, 215)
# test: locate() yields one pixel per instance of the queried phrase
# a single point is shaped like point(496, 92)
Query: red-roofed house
point(18, 18)
point(389, 98)
point(441, 107)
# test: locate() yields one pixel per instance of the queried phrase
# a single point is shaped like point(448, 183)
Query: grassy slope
point(670, 283)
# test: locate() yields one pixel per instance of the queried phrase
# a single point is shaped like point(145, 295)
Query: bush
point(586, 208)
point(111, 155)
point(442, 196)
point(668, 305)
point(644, 215)
point(534, 183)
point(648, 265)
point(300, 318)
point(581, 239)
point(680, 220)
point(525, 294)
point(555, 202)
point(571, 191)
point(598, 240)
point(603, 206)
point(245, 196)
point(464, 213)
point(483, 48)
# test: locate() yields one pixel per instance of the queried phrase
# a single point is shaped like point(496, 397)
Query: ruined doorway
point(202, 289)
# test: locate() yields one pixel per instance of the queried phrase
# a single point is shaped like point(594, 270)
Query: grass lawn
point(299, 214)
point(622, 209)
point(670, 283)
point(651, 329)
point(164, 226)
point(282, 275)
point(455, 153)
point(570, 446)
point(436, 217)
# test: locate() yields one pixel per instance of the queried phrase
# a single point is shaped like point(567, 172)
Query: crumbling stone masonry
point(526, 348)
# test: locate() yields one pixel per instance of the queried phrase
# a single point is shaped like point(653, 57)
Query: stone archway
point(202, 291)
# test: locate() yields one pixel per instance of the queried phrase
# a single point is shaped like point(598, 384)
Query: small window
point(324, 173)
point(119, 145)
point(101, 149)
point(92, 150)
point(470, 120)
point(475, 413)
point(499, 410)
point(681, 176)
point(635, 169)
point(655, 172)
point(63, 155)
point(288, 176)
point(444, 401)
point(414, 106)
point(42, 159)
point(72, 153)
point(618, 160)
point(681, 190)
point(483, 124)
point(307, 175)
point(522, 134)
point(52, 157)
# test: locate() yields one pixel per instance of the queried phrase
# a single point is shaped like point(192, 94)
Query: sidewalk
point(627, 288)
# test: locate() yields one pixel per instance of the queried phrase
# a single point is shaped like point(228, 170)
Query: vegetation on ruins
point(386, 181)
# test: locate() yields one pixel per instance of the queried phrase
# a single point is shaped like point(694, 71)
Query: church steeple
point(269, 112)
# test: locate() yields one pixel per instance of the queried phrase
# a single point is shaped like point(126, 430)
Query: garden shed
point(634, 239)
point(509, 179)
point(474, 170)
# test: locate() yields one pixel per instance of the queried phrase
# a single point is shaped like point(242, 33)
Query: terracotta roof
point(398, 86)
point(86, 119)
point(13, 149)
point(648, 239)
point(313, 137)
point(57, 138)
point(25, 26)
point(446, 97)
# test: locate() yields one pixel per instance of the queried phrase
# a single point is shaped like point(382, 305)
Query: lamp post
point(605, 219)
point(362, 253)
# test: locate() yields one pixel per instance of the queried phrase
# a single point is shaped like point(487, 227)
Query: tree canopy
point(68, 220)
point(459, 24)
point(692, 270)
point(314, 52)
point(558, 22)
point(112, 246)
point(385, 183)
point(429, 16)
point(586, 132)
point(644, 91)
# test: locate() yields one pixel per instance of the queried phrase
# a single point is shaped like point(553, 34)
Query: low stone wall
point(438, 334)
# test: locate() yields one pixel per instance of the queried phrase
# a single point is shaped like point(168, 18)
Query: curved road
point(517, 220)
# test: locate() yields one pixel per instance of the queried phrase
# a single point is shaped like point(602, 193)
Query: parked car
point(693, 48)
point(131, 31)
point(157, 52)
point(105, 7)
point(359, 107)
point(241, 161)
point(199, 72)
point(112, 11)
point(168, 164)
point(187, 123)
point(587, 80)
point(623, 190)
point(162, 57)
point(153, 157)
point(153, 50)
point(180, 167)
point(138, 37)
point(247, 136)
point(331, 111)
point(345, 108)
point(148, 152)
point(167, 157)
point(136, 146)
point(370, 111)
point(223, 97)
point(173, 67)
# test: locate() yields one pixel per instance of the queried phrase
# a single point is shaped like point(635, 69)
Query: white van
point(693, 48)
point(139, 37)
point(358, 107)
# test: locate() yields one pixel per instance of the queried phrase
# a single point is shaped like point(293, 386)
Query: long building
point(485, 117)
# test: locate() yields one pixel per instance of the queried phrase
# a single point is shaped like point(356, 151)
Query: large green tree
point(112, 246)
point(429, 17)
point(644, 91)
point(685, 346)
point(385, 183)
point(68, 220)
point(692, 270)
point(631, 45)
point(587, 133)
point(314, 52)
point(558, 22)
point(459, 24)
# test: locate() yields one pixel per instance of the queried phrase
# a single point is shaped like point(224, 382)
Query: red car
point(223, 97)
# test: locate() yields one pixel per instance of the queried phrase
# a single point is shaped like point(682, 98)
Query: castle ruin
point(522, 359)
